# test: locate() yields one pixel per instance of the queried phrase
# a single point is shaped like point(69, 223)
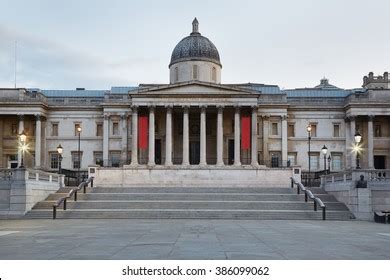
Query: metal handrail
point(62, 200)
point(308, 194)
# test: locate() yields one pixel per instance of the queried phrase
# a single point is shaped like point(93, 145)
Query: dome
point(195, 47)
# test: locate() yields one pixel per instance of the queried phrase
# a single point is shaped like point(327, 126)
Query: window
point(99, 129)
point(76, 126)
point(176, 74)
point(115, 128)
point(115, 158)
point(336, 130)
point(53, 160)
point(76, 162)
point(291, 130)
point(336, 159)
point(275, 159)
point(194, 72)
point(274, 128)
point(54, 129)
point(14, 129)
point(291, 159)
point(314, 161)
point(98, 158)
point(214, 74)
point(378, 130)
point(313, 130)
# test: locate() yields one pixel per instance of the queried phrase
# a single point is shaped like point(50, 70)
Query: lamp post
point(324, 151)
point(309, 138)
point(358, 138)
point(329, 159)
point(59, 151)
point(22, 138)
point(79, 156)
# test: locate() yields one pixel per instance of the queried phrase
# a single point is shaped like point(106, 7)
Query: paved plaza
point(192, 239)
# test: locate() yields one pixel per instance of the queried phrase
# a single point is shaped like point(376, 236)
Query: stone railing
point(21, 189)
point(364, 191)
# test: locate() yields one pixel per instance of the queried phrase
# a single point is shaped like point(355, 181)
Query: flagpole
point(16, 42)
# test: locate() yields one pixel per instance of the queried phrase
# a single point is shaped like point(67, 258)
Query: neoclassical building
point(195, 121)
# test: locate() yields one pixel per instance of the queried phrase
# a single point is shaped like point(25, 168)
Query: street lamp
point(324, 151)
point(358, 138)
point(22, 138)
point(79, 157)
point(309, 138)
point(59, 151)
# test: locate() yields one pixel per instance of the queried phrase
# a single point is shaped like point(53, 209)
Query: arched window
point(194, 72)
point(176, 74)
point(214, 74)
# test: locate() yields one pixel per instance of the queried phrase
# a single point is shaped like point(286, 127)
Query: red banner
point(143, 127)
point(245, 132)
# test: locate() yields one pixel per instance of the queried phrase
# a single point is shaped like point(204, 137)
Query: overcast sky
point(99, 44)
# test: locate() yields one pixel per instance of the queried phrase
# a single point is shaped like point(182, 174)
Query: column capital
point(152, 106)
point(20, 117)
point(284, 117)
point(123, 116)
point(107, 116)
point(38, 117)
point(254, 107)
point(265, 117)
point(371, 117)
point(220, 108)
point(352, 118)
point(186, 108)
point(169, 107)
point(134, 108)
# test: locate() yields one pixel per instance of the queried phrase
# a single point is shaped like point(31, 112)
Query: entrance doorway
point(157, 151)
point(194, 152)
point(12, 161)
point(379, 162)
point(231, 151)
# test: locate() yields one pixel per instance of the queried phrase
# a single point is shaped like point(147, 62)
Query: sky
point(99, 44)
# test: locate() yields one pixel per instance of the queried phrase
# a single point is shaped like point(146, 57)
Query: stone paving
point(192, 239)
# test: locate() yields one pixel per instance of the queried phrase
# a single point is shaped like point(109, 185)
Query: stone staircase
point(191, 203)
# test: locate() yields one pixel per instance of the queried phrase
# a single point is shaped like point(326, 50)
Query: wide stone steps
point(191, 203)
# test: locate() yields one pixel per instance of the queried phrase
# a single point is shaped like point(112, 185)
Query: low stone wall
point(362, 202)
point(21, 189)
point(191, 176)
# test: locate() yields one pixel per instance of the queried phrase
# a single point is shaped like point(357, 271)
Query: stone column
point(186, 139)
point(352, 135)
point(151, 161)
point(254, 162)
point(106, 134)
point(38, 140)
point(237, 144)
point(265, 139)
point(20, 130)
point(203, 160)
point(284, 141)
point(134, 136)
point(124, 138)
point(370, 142)
point(347, 143)
point(220, 136)
point(168, 137)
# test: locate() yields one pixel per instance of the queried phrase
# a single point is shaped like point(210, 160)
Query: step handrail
point(309, 194)
point(83, 185)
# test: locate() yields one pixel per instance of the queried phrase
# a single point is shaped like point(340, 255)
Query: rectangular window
point(313, 130)
point(76, 127)
point(336, 159)
point(378, 130)
point(194, 72)
point(98, 158)
point(115, 128)
point(291, 159)
point(115, 158)
point(53, 160)
point(76, 161)
point(314, 161)
point(336, 130)
point(14, 129)
point(291, 130)
point(274, 129)
point(54, 129)
point(99, 129)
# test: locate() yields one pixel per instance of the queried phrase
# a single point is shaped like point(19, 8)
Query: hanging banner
point(245, 132)
point(143, 132)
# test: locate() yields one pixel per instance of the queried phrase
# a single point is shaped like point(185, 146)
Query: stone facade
point(196, 121)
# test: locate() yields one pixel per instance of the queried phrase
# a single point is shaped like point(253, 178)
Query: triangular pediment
point(195, 88)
